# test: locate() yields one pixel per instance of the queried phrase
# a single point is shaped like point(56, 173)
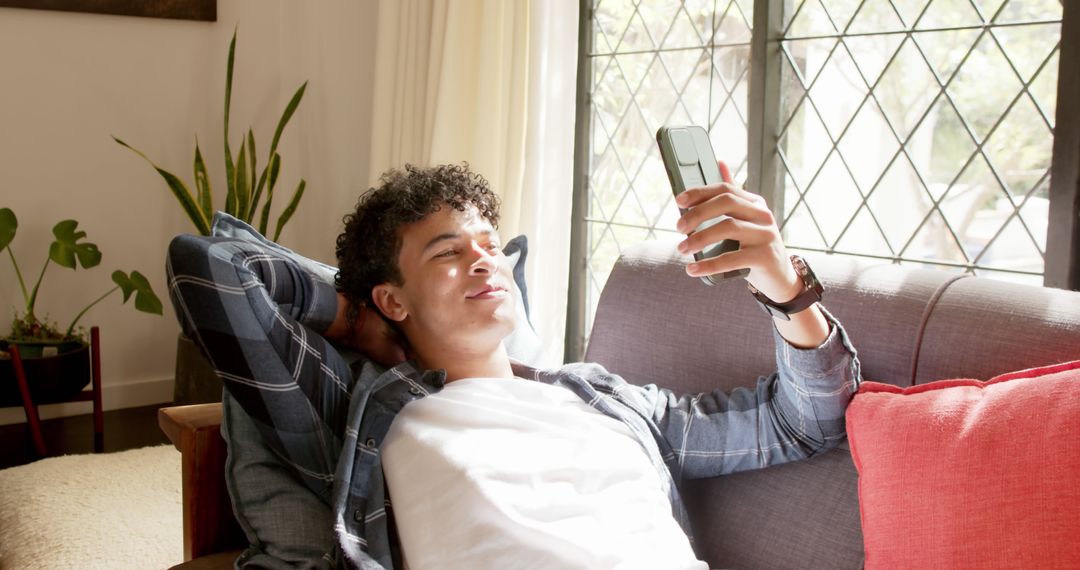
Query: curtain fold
point(490, 82)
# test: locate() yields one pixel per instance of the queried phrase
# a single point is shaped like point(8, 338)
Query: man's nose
point(485, 261)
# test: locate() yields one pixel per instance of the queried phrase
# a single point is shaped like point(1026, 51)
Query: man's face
point(458, 290)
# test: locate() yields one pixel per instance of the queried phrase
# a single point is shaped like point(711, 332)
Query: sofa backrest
point(654, 324)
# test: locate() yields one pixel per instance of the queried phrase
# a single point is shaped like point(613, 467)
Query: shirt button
point(358, 515)
point(370, 442)
point(414, 391)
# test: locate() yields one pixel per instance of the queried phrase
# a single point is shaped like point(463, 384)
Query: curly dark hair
point(367, 251)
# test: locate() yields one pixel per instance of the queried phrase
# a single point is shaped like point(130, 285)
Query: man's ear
point(388, 299)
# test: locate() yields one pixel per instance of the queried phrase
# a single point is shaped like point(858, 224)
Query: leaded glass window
point(921, 131)
point(916, 132)
point(656, 63)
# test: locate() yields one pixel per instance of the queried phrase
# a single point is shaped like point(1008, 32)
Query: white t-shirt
point(500, 473)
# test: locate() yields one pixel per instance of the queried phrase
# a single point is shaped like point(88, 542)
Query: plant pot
point(51, 378)
point(196, 382)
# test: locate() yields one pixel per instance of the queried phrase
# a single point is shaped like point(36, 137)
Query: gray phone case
point(690, 162)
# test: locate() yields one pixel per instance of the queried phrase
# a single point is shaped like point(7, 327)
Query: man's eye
point(447, 253)
point(492, 246)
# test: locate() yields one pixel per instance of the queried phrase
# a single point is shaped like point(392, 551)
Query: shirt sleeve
point(256, 315)
point(794, 413)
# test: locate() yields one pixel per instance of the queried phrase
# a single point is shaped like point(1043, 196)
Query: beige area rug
point(108, 511)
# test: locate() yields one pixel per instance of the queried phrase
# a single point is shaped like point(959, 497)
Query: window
point(918, 132)
point(921, 132)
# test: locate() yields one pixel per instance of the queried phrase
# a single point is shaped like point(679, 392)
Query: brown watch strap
point(811, 293)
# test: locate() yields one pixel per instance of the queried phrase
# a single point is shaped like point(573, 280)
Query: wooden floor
point(124, 429)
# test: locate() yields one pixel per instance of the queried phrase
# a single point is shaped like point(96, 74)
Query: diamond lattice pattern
point(657, 62)
point(921, 130)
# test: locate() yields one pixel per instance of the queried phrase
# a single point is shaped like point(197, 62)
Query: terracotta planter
point(51, 378)
point(196, 382)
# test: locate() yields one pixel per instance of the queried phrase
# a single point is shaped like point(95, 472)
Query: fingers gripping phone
point(690, 162)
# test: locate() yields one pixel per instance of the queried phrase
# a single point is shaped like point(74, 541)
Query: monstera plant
point(245, 186)
point(69, 249)
point(37, 337)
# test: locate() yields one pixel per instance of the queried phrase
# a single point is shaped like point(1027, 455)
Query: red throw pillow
point(970, 474)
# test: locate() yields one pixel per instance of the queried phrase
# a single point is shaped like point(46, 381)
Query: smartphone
point(690, 162)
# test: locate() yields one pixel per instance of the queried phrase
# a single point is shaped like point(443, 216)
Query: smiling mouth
point(489, 293)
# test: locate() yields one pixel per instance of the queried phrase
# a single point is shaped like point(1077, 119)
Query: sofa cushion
point(795, 515)
point(1018, 326)
point(966, 473)
point(286, 524)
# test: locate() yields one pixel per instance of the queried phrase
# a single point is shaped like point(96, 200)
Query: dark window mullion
point(577, 291)
point(1063, 230)
point(766, 102)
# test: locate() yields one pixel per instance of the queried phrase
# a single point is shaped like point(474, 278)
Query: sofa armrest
point(209, 524)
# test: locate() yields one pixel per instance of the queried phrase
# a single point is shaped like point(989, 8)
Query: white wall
point(68, 81)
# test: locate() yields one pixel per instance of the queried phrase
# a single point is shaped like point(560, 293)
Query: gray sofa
point(656, 325)
point(910, 326)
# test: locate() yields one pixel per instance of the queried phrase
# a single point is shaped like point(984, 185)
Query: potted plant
point(58, 361)
point(244, 189)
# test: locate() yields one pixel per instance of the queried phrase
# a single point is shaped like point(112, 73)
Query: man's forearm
point(806, 329)
point(262, 345)
point(792, 414)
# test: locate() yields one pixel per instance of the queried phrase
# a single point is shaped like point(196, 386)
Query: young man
point(492, 464)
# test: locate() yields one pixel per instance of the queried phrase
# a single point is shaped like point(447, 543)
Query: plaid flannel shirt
point(257, 315)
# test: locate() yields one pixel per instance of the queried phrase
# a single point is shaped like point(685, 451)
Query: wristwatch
point(810, 294)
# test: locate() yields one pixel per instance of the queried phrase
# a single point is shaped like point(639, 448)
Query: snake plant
point(244, 189)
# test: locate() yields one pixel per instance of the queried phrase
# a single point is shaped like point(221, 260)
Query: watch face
point(800, 265)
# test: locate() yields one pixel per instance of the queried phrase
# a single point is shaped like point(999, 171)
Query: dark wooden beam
point(202, 10)
point(1063, 232)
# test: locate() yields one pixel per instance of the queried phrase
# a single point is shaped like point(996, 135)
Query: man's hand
point(761, 250)
point(750, 221)
point(371, 334)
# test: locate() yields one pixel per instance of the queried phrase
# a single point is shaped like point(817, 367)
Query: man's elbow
point(184, 258)
point(184, 248)
point(831, 429)
point(831, 434)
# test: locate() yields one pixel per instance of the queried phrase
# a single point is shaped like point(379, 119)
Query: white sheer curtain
point(491, 82)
